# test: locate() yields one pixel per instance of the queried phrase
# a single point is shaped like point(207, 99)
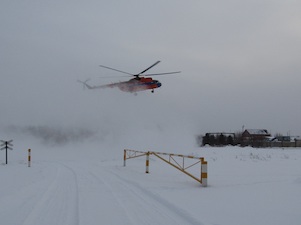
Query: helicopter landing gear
point(153, 91)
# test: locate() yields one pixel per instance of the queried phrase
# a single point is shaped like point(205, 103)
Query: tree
point(206, 139)
point(238, 138)
point(221, 139)
point(230, 140)
point(212, 140)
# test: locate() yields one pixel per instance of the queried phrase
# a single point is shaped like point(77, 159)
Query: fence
point(173, 160)
point(272, 144)
point(283, 144)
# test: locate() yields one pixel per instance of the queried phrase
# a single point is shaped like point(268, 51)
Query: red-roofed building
point(255, 135)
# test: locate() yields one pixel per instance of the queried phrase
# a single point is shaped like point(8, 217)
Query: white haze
point(239, 62)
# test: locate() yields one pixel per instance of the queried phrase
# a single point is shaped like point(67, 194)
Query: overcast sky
point(240, 63)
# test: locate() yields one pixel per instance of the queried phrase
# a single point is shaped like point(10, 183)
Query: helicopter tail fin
point(85, 85)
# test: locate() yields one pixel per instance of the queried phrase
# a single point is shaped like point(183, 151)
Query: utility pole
point(6, 145)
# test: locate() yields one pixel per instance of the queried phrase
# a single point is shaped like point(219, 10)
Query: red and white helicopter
point(140, 82)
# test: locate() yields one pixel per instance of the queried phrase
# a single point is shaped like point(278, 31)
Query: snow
point(257, 131)
point(87, 184)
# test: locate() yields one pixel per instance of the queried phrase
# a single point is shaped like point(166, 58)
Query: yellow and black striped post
point(124, 157)
point(29, 157)
point(204, 175)
point(147, 163)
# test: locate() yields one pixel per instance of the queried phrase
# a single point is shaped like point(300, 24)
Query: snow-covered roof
point(257, 131)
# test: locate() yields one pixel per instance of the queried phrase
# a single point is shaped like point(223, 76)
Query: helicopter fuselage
point(138, 84)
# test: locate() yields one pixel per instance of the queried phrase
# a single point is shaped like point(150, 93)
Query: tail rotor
point(85, 85)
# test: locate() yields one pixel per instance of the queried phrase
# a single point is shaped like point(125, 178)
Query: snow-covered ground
point(81, 185)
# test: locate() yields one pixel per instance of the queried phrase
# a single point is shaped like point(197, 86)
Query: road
point(72, 193)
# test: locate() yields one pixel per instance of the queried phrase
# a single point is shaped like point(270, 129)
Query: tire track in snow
point(141, 205)
point(97, 204)
point(17, 204)
point(59, 202)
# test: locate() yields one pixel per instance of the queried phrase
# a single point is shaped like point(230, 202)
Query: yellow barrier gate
point(173, 160)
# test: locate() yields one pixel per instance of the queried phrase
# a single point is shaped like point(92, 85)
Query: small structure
point(254, 137)
point(284, 141)
point(287, 138)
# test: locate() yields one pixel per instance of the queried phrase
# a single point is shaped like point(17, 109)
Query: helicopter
point(140, 82)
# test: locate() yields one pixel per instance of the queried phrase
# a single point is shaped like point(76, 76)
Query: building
point(254, 136)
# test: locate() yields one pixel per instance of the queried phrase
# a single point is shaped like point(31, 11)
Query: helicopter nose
point(159, 84)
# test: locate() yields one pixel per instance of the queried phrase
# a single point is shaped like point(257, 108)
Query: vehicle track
point(59, 202)
point(68, 193)
point(141, 205)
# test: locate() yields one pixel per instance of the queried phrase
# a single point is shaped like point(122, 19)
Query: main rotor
point(142, 72)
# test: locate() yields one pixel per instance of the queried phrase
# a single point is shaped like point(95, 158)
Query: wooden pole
point(147, 163)
point(29, 157)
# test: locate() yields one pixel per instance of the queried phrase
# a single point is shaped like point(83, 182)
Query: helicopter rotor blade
point(148, 68)
point(116, 70)
point(116, 76)
point(159, 74)
point(137, 75)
